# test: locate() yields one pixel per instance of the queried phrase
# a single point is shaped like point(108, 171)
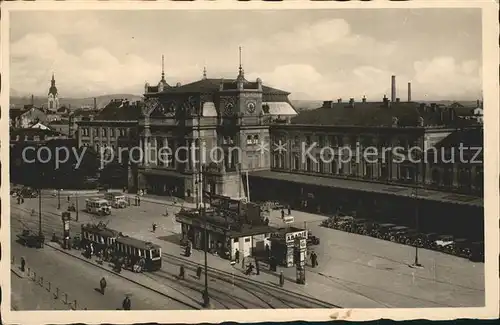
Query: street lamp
point(76, 205)
point(414, 195)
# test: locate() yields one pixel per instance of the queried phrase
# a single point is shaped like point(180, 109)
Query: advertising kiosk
point(285, 243)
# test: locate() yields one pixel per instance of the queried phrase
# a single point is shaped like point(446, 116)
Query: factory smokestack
point(32, 100)
point(409, 92)
point(393, 89)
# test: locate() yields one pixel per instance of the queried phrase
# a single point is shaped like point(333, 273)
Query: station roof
point(373, 187)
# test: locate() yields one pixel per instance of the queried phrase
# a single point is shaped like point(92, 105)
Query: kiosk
point(284, 247)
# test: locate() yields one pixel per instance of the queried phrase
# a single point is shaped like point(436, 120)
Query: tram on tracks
point(113, 246)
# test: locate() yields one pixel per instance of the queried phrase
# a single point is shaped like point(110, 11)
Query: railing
point(39, 280)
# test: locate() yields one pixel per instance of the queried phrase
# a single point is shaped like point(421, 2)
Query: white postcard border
point(491, 197)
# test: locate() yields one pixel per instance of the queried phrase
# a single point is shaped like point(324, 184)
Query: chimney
point(364, 99)
point(339, 100)
point(95, 103)
point(393, 89)
point(478, 103)
point(398, 100)
point(386, 101)
point(351, 102)
point(409, 92)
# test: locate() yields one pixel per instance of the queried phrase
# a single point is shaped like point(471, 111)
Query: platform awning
point(363, 186)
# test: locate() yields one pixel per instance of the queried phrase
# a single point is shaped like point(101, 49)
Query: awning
point(393, 189)
point(280, 108)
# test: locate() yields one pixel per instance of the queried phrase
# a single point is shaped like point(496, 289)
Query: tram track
point(49, 226)
point(291, 299)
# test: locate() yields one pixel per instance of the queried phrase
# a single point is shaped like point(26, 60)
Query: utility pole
point(40, 212)
point(416, 263)
point(76, 205)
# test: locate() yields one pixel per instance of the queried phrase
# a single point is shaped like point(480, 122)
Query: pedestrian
point(282, 279)
point(257, 269)
point(266, 221)
point(182, 272)
point(237, 256)
point(314, 259)
point(243, 262)
point(289, 211)
point(282, 214)
point(139, 201)
point(198, 272)
point(69, 198)
point(103, 285)
point(154, 227)
point(268, 250)
point(127, 304)
point(23, 264)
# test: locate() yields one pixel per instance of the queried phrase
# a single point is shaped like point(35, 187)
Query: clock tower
point(242, 132)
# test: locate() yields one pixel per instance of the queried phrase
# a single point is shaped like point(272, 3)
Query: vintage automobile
point(444, 243)
point(398, 233)
point(461, 247)
point(477, 252)
point(27, 192)
point(383, 230)
point(31, 239)
point(311, 239)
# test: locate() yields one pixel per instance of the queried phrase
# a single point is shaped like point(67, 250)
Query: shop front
point(201, 234)
point(284, 247)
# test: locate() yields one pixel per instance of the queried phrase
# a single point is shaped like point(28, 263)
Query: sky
point(313, 54)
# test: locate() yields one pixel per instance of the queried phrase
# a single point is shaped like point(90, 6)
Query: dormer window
point(255, 139)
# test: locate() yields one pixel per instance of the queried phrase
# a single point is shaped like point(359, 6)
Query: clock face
point(228, 109)
point(251, 107)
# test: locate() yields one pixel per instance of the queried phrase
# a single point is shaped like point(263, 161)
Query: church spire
point(53, 80)
point(162, 67)
point(240, 69)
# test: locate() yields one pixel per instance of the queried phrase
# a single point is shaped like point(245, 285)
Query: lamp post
point(416, 263)
point(76, 205)
point(58, 199)
point(40, 212)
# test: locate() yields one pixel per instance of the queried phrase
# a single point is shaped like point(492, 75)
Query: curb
point(123, 277)
point(18, 273)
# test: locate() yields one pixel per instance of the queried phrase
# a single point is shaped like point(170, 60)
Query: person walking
point(237, 256)
point(103, 285)
point(314, 260)
point(289, 211)
point(126, 304)
point(257, 269)
point(282, 214)
point(23, 264)
point(154, 227)
point(198, 272)
point(182, 272)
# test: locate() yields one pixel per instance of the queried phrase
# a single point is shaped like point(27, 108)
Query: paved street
point(79, 281)
point(354, 271)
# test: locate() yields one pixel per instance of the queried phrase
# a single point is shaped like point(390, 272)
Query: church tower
point(53, 96)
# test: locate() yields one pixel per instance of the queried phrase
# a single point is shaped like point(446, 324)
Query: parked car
point(311, 239)
point(477, 252)
point(28, 192)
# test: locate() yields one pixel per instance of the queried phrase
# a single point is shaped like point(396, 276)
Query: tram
point(99, 235)
point(137, 252)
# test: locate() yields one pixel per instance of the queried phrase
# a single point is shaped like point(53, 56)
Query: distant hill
point(305, 105)
point(75, 103)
